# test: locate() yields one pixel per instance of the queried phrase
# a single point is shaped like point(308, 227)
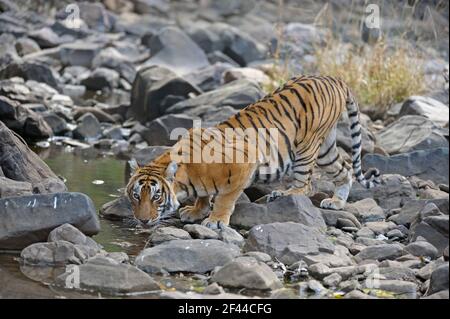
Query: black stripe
point(354, 125)
point(356, 134)
point(330, 162)
point(327, 151)
point(353, 114)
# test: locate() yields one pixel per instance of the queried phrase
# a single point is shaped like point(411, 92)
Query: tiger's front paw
point(273, 196)
point(214, 224)
point(188, 214)
point(332, 203)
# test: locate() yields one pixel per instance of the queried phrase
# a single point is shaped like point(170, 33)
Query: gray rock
point(151, 6)
point(344, 138)
point(422, 249)
point(213, 289)
point(425, 272)
point(366, 209)
point(410, 211)
point(55, 254)
point(10, 188)
point(426, 106)
point(209, 78)
point(38, 72)
point(119, 208)
point(320, 270)
point(397, 273)
point(381, 252)
point(230, 236)
point(57, 123)
point(159, 130)
point(67, 232)
point(173, 49)
point(101, 78)
point(288, 242)
point(200, 232)
point(94, 15)
point(88, 127)
point(393, 191)
point(247, 272)
point(152, 89)
point(429, 164)
point(195, 255)
point(365, 232)
point(438, 280)
point(332, 280)
point(26, 46)
point(433, 229)
point(19, 163)
point(293, 208)
point(411, 133)
point(163, 234)
point(79, 53)
point(263, 257)
point(443, 294)
point(31, 218)
point(331, 217)
point(380, 227)
point(356, 294)
point(237, 94)
point(403, 289)
point(97, 273)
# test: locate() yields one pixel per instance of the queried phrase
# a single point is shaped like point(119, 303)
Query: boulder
point(159, 131)
point(237, 94)
point(173, 49)
point(366, 210)
point(117, 209)
point(410, 211)
point(30, 219)
point(193, 256)
point(246, 272)
point(152, 89)
point(88, 127)
point(19, 163)
point(38, 72)
point(200, 232)
point(411, 133)
point(79, 53)
point(426, 106)
point(288, 242)
point(434, 229)
point(393, 192)
point(57, 253)
point(163, 234)
point(422, 248)
point(429, 164)
point(381, 252)
point(439, 280)
point(104, 275)
point(10, 188)
point(101, 78)
point(295, 208)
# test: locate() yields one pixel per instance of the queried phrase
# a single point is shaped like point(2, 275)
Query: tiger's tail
point(372, 177)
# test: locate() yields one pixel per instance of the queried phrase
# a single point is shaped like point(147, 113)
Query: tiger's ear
point(171, 170)
point(133, 165)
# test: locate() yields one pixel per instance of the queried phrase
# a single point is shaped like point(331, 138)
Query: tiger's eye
point(136, 196)
point(156, 197)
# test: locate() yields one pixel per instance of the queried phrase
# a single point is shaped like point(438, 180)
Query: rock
point(340, 258)
point(119, 208)
point(393, 191)
point(93, 14)
point(250, 74)
point(195, 255)
point(26, 46)
point(381, 252)
point(230, 8)
point(262, 257)
point(88, 127)
point(443, 294)
point(411, 133)
point(293, 208)
point(213, 289)
point(381, 227)
point(395, 233)
point(210, 77)
point(30, 71)
point(434, 229)
point(173, 49)
point(69, 233)
point(111, 58)
point(163, 234)
point(409, 212)
point(152, 88)
point(400, 288)
point(57, 253)
point(237, 94)
point(97, 273)
point(79, 53)
point(31, 218)
point(438, 280)
point(422, 249)
point(10, 188)
point(365, 232)
point(288, 242)
point(356, 294)
point(426, 106)
point(46, 38)
point(331, 217)
point(247, 272)
point(397, 273)
point(366, 210)
point(151, 6)
point(445, 254)
point(114, 133)
point(284, 293)
point(332, 280)
point(344, 138)
point(101, 78)
point(320, 270)
point(160, 131)
point(430, 164)
point(57, 123)
point(200, 232)
point(244, 49)
point(19, 163)
point(425, 272)
point(230, 236)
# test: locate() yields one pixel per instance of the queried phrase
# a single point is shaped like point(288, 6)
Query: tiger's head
point(151, 192)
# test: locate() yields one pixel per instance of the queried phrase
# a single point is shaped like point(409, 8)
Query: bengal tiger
point(304, 111)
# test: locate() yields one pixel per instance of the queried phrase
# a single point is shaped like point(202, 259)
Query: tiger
point(305, 111)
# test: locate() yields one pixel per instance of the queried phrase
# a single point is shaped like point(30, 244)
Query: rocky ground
point(129, 73)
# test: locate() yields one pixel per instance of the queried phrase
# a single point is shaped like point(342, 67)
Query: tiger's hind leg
point(197, 212)
point(340, 171)
point(222, 210)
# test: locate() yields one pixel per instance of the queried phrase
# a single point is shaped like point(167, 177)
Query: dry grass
point(379, 76)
